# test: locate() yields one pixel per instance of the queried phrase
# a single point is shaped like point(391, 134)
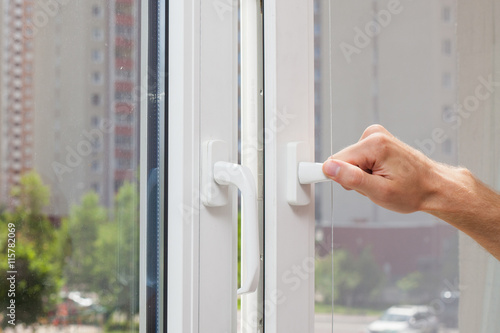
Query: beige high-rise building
point(72, 99)
point(3, 97)
point(87, 70)
point(69, 96)
point(16, 95)
point(393, 63)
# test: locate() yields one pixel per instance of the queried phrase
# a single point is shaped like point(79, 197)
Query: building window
point(124, 118)
point(98, 34)
point(95, 121)
point(123, 142)
point(97, 56)
point(446, 47)
point(446, 80)
point(123, 30)
point(96, 11)
point(446, 14)
point(96, 145)
point(122, 73)
point(96, 166)
point(447, 147)
point(97, 77)
point(96, 99)
point(123, 96)
point(448, 114)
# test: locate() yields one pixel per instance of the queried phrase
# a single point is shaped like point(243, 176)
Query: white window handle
point(229, 173)
point(300, 174)
point(217, 170)
point(310, 173)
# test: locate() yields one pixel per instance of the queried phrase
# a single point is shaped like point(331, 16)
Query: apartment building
point(126, 85)
point(71, 67)
point(16, 95)
point(72, 98)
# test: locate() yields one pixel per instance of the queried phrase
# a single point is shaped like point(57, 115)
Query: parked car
point(406, 319)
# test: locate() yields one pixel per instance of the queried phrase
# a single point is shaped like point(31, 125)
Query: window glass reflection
point(69, 163)
point(379, 65)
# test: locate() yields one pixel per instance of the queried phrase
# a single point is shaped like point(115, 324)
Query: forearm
point(466, 203)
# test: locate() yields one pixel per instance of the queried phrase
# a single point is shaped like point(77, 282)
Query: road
point(348, 324)
point(342, 323)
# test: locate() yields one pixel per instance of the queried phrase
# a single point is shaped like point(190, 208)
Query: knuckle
point(379, 142)
point(372, 129)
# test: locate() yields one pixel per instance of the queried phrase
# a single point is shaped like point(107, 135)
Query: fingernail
point(331, 168)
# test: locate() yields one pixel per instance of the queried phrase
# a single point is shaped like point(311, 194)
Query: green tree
point(116, 273)
point(357, 279)
point(83, 225)
point(32, 225)
point(420, 286)
point(39, 257)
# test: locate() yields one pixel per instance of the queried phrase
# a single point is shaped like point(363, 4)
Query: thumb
point(350, 176)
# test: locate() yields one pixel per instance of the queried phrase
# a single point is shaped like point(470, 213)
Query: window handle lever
point(217, 175)
point(300, 174)
point(310, 173)
point(240, 176)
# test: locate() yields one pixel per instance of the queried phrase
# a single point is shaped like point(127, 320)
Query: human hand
point(386, 170)
point(402, 179)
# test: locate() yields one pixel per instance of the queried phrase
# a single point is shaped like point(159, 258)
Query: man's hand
point(389, 172)
point(401, 178)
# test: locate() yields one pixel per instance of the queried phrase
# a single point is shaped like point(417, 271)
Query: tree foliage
point(117, 265)
point(83, 225)
point(39, 257)
point(104, 255)
point(90, 251)
point(357, 279)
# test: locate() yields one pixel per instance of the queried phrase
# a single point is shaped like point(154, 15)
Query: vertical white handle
point(226, 173)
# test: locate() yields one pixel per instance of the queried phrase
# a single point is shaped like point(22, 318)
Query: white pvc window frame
point(202, 105)
point(289, 117)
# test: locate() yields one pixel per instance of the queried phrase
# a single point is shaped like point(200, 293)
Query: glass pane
point(69, 133)
point(392, 63)
point(323, 149)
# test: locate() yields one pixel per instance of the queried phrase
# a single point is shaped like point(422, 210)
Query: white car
point(406, 319)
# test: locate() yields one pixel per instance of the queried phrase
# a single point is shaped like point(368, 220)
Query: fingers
point(364, 153)
point(351, 177)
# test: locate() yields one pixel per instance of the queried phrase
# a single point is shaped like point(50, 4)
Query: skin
point(400, 178)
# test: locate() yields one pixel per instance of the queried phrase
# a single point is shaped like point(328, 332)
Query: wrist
point(460, 198)
point(447, 189)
